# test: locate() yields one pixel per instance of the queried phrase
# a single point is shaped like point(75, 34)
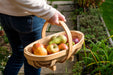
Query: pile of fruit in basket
point(56, 44)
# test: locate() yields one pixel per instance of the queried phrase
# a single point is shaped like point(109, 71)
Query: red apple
point(36, 45)
point(52, 48)
point(40, 51)
point(63, 46)
point(76, 40)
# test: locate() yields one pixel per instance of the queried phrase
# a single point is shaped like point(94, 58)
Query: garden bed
point(95, 56)
point(93, 27)
point(97, 61)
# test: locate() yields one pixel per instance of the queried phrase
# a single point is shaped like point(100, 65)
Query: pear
point(53, 37)
point(58, 39)
point(55, 41)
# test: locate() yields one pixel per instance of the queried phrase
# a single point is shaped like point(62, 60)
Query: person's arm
point(41, 9)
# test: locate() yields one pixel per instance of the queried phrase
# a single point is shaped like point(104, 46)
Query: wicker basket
point(50, 61)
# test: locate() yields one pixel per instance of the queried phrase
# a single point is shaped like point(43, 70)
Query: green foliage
point(98, 54)
point(99, 59)
point(4, 53)
point(107, 14)
point(77, 68)
point(88, 3)
point(5, 39)
point(91, 25)
point(0, 27)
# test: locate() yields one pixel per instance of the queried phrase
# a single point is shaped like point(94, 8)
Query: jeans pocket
point(22, 24)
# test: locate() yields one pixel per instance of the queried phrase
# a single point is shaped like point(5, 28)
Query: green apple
point(73, 43)
point(63, 38)
point(52, 48)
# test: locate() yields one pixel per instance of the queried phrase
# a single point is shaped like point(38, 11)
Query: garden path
point(66, 8)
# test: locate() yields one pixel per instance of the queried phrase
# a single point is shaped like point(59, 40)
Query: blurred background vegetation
point(107, 13)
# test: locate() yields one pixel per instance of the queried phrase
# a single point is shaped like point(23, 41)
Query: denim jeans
point(21, 31)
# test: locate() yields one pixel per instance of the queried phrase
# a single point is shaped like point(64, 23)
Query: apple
point(63, 38)
point(63, 46)
point(76, 40)
point(66, 37)
point(52, 48)
point(40, 51)
point(36, 45)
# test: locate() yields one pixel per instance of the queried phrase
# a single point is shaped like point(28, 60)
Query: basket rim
point(30, 55)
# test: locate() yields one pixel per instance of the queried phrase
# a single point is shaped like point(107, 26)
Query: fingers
point(54, 20)
point(61, 17)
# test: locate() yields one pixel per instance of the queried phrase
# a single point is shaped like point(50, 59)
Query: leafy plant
point(77, 68)
point(91, 25)
point(99, 59)
point(107, 14)
point(4, 53)
point(86, 4)
point(5, 39)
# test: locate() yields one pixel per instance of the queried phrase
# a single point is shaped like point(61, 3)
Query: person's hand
point(54, 20)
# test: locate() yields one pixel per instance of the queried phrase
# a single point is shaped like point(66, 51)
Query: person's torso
point(7, 8)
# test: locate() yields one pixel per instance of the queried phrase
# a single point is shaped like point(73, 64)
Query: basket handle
point(65, 27)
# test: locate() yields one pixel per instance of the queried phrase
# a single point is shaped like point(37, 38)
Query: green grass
point(107, 13)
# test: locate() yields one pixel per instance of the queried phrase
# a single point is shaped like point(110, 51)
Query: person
point(22, 21)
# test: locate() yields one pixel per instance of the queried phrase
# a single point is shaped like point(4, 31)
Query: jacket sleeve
point(39, 8)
